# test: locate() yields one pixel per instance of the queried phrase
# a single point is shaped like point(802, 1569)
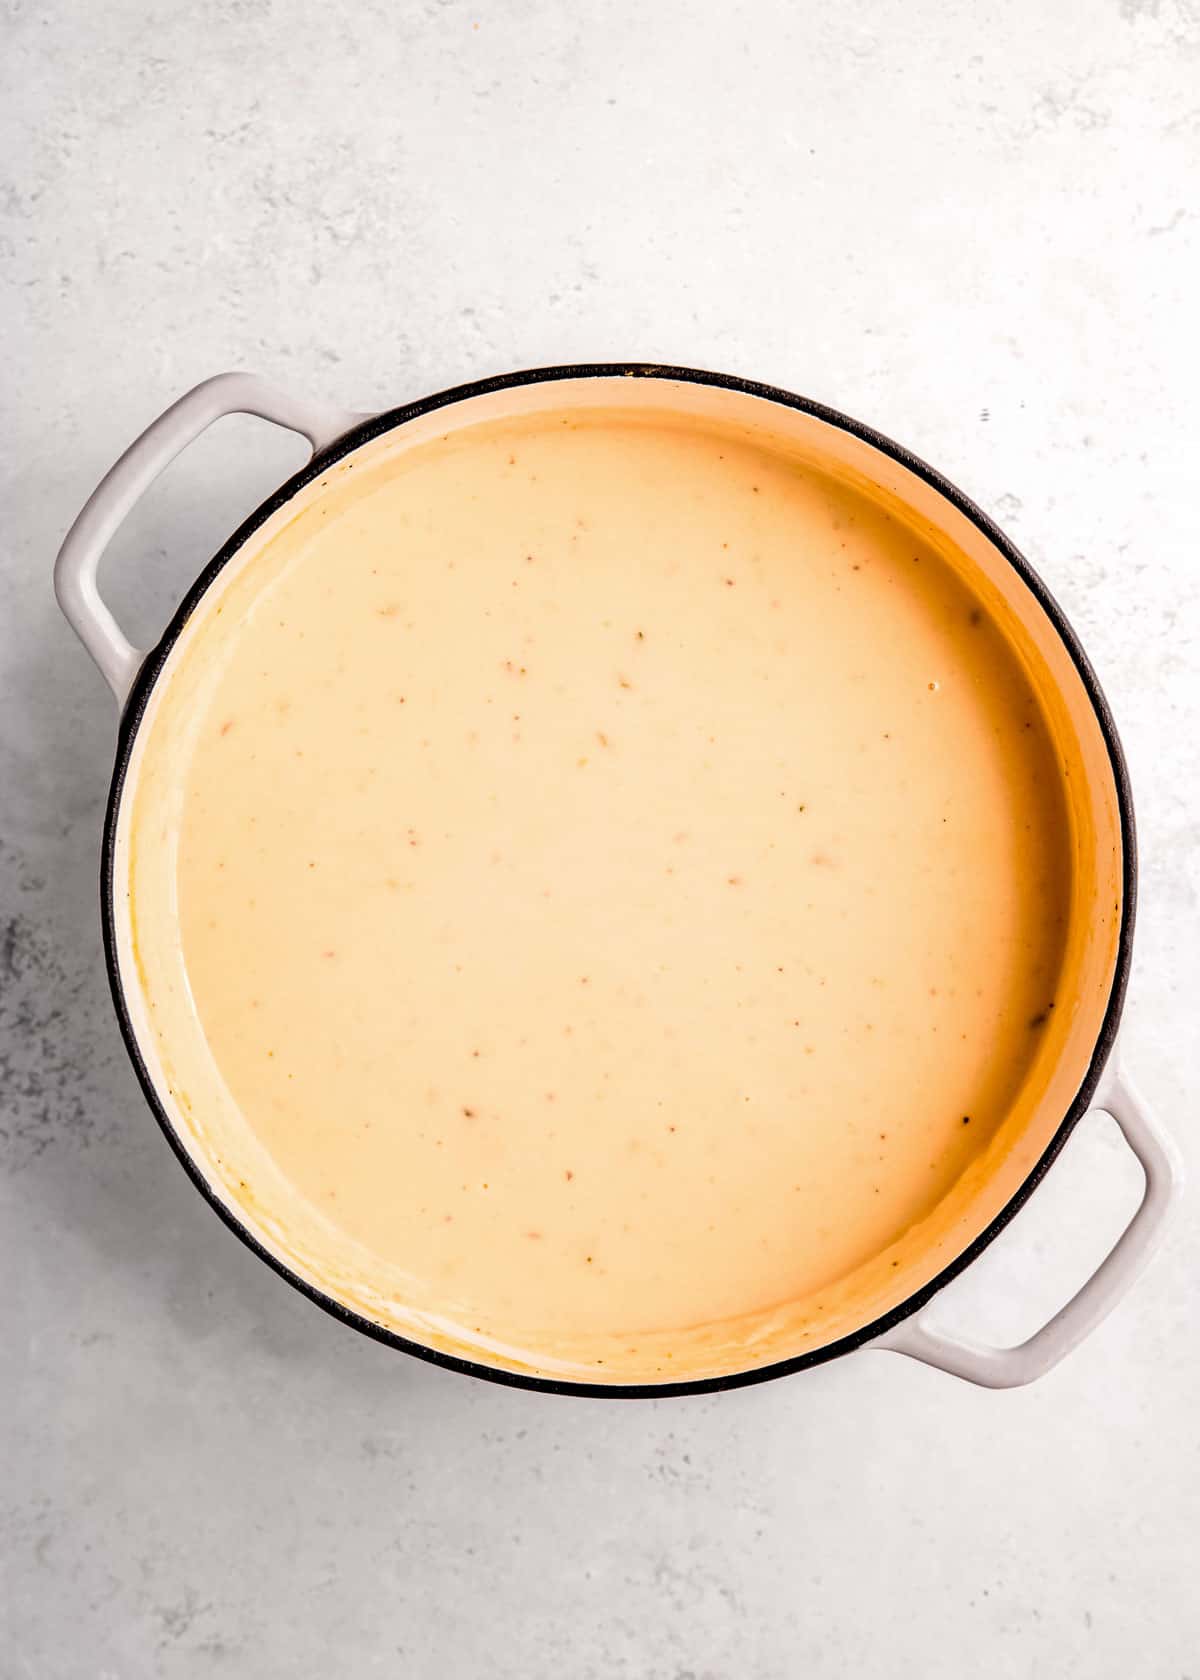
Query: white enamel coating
point(75, 571)
point(75, 581)
point(1011, 1367)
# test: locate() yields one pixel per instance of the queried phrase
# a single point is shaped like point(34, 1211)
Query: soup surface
point(622, 876)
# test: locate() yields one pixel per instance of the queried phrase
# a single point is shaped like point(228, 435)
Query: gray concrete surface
point(975, 225)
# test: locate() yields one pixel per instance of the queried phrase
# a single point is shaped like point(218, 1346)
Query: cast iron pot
point(1089, 1077)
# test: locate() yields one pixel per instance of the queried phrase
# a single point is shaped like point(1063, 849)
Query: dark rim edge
point(388, 420)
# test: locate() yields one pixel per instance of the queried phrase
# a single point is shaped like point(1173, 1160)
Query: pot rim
point(389, 420)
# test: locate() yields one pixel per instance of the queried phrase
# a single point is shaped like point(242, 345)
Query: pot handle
point(1000, 1367)
point(122, 486)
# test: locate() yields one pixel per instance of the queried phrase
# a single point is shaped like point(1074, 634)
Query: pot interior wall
point(242, 1176)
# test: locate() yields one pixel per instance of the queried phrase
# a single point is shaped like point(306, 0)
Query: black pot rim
point(387, 421)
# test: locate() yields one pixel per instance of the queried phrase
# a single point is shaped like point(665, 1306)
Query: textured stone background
point(974, 224)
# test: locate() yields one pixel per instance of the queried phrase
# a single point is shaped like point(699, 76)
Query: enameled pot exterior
point(334, 433)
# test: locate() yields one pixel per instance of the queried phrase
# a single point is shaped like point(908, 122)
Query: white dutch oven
point(1087, 1077)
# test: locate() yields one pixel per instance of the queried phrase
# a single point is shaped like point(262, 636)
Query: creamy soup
point(622, 876)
